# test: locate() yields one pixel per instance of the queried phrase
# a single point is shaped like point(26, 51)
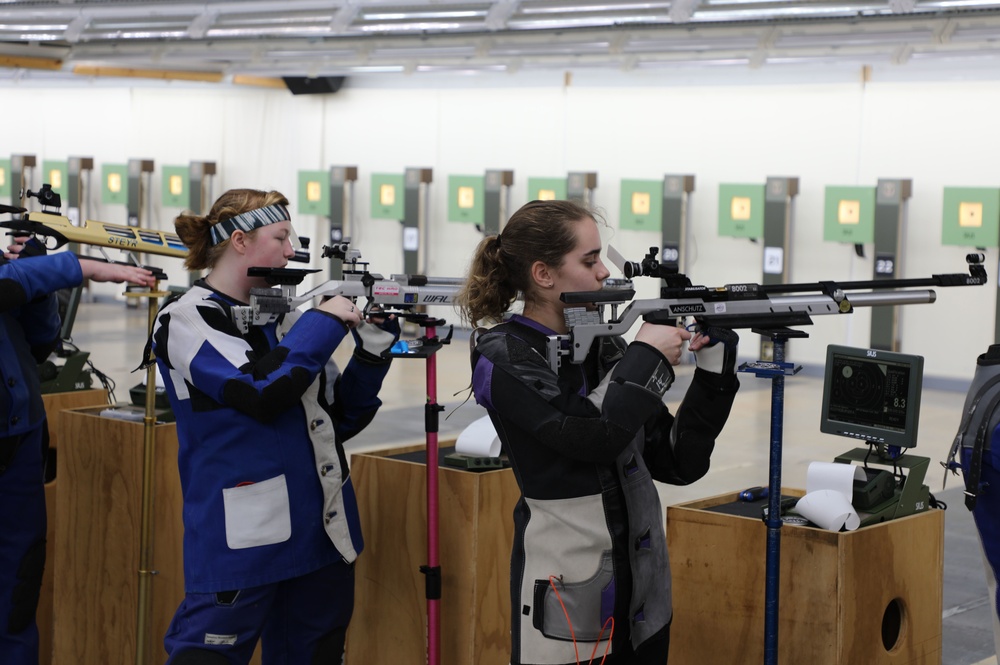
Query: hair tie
point(499, 245)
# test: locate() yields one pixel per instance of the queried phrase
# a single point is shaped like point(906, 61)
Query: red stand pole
point(432, 571)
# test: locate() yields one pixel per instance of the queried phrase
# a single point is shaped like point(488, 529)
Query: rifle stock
point(98, 234)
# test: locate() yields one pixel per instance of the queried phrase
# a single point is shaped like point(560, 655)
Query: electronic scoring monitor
point(872, 395)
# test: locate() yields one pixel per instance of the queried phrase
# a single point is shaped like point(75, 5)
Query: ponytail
point(501, 266)
point(488, 291)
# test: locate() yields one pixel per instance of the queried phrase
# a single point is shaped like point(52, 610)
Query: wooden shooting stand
point(871, 596)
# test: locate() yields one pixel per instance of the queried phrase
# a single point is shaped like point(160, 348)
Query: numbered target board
point(641, 205)
point(546, 189)
point(849, 215)
point(741, 211)
point(314, 193)
point(175, 186)
point(971, 217)
point(465, 198)
point(387, 196)
point(55, 174)
point(114, 184)
point(5, 180)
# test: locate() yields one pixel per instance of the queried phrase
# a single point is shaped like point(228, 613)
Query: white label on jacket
point(218, 640)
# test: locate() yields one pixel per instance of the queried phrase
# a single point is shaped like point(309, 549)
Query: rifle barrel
point(877, 298)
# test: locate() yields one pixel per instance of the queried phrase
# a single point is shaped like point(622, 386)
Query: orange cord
point(611, 634)
point(572, 633)
point(552, 583)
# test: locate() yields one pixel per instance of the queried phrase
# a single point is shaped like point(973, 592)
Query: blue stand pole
point(776, 370)
point(773, 571)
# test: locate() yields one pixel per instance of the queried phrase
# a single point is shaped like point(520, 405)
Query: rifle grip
point(660, 318)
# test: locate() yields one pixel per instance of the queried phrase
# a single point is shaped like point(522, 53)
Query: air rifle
point(49, 224)
point(398, 294)
point(733, 306)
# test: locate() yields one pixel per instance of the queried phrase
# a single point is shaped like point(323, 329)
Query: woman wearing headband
point(589, 570)
point(271, 527)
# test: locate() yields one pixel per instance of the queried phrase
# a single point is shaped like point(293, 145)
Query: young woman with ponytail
point(590, 577)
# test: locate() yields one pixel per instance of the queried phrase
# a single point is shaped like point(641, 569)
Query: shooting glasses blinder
point(248, 221)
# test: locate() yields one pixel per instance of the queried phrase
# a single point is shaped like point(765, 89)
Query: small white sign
point(219, 640)
point(774, 260)
point(411, 238)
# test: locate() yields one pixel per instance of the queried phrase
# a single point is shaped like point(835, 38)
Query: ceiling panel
point(319, 37)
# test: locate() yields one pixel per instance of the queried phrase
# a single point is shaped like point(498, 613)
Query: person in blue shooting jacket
point(271, 527)
point(589, 575)
point(29, 331)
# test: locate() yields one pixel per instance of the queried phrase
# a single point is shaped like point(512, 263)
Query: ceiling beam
point(28, 62)
point(164, 74)
point(259, 81)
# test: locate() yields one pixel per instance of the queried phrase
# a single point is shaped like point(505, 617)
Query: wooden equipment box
point(55, 404)
point(98, 511)
point(476, 535)
point(869, 596)
point(96, 564)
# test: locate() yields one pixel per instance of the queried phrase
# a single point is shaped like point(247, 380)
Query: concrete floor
point(115, 336)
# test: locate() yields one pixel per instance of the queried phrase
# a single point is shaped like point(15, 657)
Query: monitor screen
point(69, 301)
point(872, 395)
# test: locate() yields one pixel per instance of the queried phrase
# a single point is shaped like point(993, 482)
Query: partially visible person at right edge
point(977, 445)
point(589, 569)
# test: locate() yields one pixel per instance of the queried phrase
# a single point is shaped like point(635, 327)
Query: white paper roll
point(833, 476)
point(479, 439)
point(828, 509)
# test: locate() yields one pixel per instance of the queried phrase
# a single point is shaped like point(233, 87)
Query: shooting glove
point(33, 247)
point(719, 357)
point(371, 340)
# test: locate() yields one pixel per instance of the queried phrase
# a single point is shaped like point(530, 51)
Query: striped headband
point(248, 221)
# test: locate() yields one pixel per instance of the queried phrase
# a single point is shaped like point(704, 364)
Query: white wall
point(826, 128)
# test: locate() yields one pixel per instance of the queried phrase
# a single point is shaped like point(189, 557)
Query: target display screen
point(869, 393)
point(872, 395)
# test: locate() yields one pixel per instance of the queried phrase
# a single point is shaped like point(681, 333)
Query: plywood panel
point(55, 403)
point(97, 539)
point(835, 589)
point(476, 531)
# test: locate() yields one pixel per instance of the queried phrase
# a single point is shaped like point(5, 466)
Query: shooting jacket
point(585, 445)
point(981, 415)
point(261, 421)
point(29, 328)
point(980, 425)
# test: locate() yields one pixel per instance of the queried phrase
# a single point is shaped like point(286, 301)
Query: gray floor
point(115, 336)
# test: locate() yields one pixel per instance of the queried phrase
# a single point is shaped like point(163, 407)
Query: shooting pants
point(291, 618)
point(987, 517)
point(22, 545)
